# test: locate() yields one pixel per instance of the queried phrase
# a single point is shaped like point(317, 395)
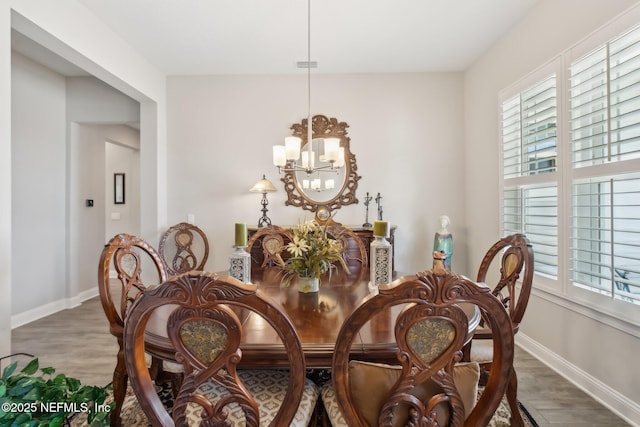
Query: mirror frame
point(323, 127)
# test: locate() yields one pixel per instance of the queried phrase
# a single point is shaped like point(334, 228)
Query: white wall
point(405, 132)
point(53, 179)
point(5, 181)
point(38, 186)
point(121, 158)
point(90, 101)
point(576, 342)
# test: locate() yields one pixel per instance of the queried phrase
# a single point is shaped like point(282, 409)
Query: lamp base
point(264, 220)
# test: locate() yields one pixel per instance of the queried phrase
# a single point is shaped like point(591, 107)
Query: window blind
point(605, 244)
point(534, 212)
point(605, 103)
point(605, 129)
point(529, 148)
point(529, 130)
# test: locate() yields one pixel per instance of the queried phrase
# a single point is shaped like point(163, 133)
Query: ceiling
point(204, 37)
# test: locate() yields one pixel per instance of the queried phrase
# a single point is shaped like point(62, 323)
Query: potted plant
point(29, 398)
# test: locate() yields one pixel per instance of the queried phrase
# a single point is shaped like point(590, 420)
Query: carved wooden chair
point(354, 253)
point(137, 266)
point(205, 330)
point(427, 385)
point(515, 267)
point(272, 239)
point(184, 247)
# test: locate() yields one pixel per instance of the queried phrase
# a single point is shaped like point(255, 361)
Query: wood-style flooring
point(77, 342)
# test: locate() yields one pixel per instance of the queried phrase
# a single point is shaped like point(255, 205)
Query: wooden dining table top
point(317, 318)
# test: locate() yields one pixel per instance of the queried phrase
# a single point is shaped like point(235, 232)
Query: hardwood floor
point(77, 342)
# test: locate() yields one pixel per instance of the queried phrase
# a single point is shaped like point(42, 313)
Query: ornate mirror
point(326, 189)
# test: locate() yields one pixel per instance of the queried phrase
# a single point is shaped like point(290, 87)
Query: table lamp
point(263, 186)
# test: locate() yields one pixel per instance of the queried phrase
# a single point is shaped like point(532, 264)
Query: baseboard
point(45, 310)
point(614, 401)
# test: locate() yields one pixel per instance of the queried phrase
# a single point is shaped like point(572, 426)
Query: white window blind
point(606, 236)
point(529, 148)
point(604, 104)
point(534, 212)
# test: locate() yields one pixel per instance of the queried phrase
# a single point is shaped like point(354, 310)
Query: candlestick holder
point(240, 264)
point(367, 199)
point(381, 254)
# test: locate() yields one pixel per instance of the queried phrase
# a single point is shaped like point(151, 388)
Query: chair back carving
point(431, 330)
point(515, 254)
point(205, 329)
point(272, 239)
point(354, 253)
point(137, 266)
point(184, 247)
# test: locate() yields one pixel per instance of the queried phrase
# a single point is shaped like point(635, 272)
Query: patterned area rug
point(132, 415)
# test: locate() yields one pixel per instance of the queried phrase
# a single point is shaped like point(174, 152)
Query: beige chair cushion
point(268, 387)
point(481, 351)
point(370, 383)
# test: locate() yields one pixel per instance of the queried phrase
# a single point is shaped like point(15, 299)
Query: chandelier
point(290, 157)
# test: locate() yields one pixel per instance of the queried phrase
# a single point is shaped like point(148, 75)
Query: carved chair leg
point(120, 378)
point(512, 399)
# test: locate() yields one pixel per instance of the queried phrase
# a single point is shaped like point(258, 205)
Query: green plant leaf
point(34, 395)
point(3, 390)
point(9, 370)
point(48, 371)
point(31, 368)
point(23, 386)
point(57, 421)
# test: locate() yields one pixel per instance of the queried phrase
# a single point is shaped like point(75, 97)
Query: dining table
point(317, 318)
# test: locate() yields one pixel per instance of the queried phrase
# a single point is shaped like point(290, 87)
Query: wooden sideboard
point(365, 234)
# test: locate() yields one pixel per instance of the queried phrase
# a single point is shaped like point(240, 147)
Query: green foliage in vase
point(312, 251)
point(28, 399)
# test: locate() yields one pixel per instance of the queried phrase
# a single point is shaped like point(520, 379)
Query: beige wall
point(405, 132)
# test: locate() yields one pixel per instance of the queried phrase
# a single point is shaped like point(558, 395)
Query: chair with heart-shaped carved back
point(511, 261)
point(184, 247)
point(204, 329)
point(354, 253)
point(137, 266)
point(427, 385)
point(272, 239)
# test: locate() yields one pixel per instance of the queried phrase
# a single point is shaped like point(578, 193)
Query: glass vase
point(308, 284)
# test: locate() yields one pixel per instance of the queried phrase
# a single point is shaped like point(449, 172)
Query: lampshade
point(263, 186)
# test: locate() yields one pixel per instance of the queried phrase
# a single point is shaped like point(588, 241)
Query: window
point(589, 170)
point(529, 149)
point(604, 108)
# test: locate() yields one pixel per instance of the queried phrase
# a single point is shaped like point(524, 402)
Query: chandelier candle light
point(381, 254)
point(240, 259)
point(286, 156)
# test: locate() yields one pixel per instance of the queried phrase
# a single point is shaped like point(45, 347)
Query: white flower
point(298, 246)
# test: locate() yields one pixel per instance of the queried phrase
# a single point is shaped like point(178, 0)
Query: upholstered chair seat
point(371, 382)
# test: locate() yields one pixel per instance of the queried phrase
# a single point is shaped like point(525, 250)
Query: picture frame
point(118, 189)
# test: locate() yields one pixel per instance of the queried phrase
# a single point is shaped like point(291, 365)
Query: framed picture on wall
point(118, 188)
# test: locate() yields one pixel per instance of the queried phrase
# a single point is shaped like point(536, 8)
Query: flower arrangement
point(312, 252)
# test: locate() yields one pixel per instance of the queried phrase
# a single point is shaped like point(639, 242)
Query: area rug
point(132, 415)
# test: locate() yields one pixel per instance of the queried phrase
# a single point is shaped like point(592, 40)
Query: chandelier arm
point(309, 118)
